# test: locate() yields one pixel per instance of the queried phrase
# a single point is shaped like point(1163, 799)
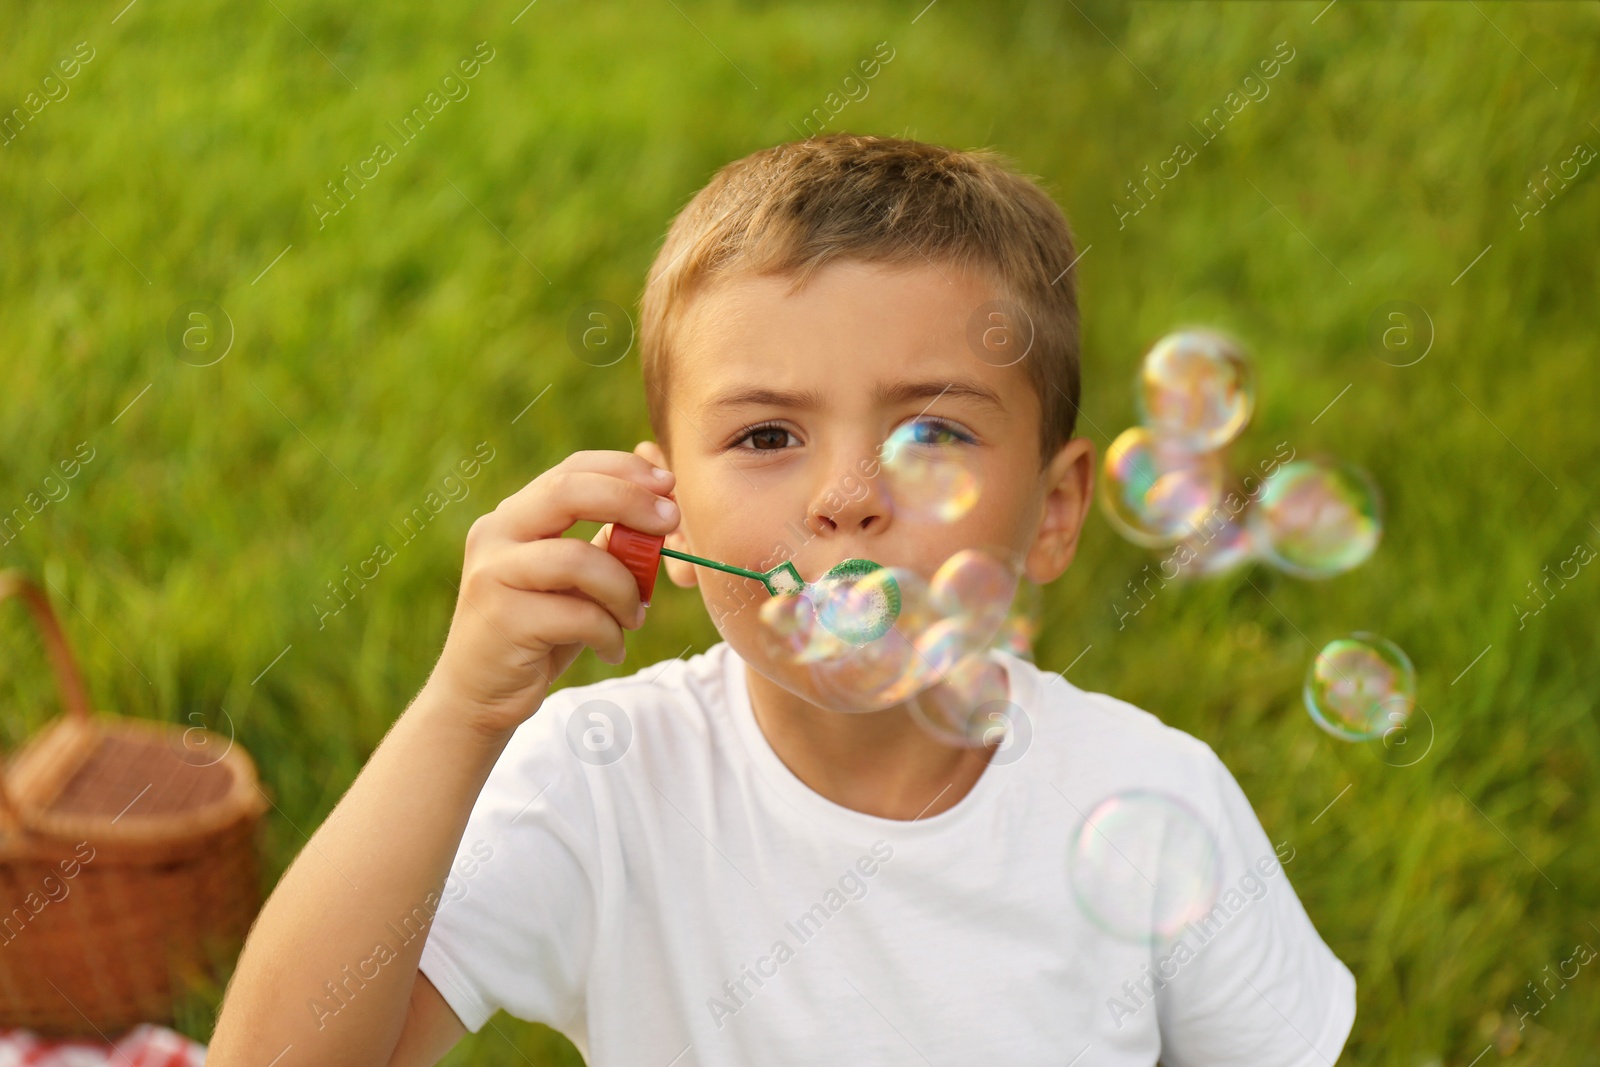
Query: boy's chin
point(854, 683)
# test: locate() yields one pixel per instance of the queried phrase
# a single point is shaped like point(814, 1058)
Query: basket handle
point(69, 681)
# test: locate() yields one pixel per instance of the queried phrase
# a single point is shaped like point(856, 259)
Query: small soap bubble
point(1318, 518)
point(1142, 865)
point(1196, 388)
point(1156, 492)
point(929, 471)
point(1360, 687)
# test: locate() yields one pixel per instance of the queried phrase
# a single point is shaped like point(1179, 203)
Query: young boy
point(703, 863)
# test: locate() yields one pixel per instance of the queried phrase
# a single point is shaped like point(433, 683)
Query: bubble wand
point(641, 553)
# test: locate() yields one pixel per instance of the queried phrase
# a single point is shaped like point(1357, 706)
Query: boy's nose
point(850, 501)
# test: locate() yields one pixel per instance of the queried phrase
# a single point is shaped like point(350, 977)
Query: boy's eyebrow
point(960, 388)
point(895, 393)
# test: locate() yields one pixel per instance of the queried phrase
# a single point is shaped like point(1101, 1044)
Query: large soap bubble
point(1360, 687)
point(1196, 388)
point(930, 473)
point(1142, 865)
point(1316, 518)
point(1156, 492)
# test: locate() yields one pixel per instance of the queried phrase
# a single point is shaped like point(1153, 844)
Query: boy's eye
point(931, 432)
point(764, 438)
point(927, 430)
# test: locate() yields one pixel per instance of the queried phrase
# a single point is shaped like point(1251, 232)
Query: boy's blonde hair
point(792, 208)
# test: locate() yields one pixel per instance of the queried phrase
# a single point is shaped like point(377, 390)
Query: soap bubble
point(1317, 518)
point(957, 710)
point(1020, 629)
point(1143, 865)
point(928, 478)
point(1218, 549)
point(977, 584)
point(830, 641)
point(857, 601)
point(1196, 388)
point(1360, 687)
point(1155, 492)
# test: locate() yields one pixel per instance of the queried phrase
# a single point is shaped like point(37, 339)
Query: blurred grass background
point(191, 554)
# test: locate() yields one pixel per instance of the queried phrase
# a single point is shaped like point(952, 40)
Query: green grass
point(379, 351)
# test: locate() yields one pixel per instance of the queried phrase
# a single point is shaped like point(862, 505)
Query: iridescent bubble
point(1143, 865)
point(829, 641)
point(1360, 687)
point(857, 601)
point(976, 583)
point(787, 623)
point(956, 710)
point(1020, 629)
point(1220, 546)
point(1196, 388)
point(1156, 492)
point(1316, 518)
point(929, 471)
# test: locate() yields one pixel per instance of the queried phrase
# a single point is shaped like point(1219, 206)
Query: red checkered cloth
point(143, 1046)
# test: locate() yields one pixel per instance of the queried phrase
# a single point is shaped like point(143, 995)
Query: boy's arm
point(304, 989)
point(431, 1028)
point(320, 979)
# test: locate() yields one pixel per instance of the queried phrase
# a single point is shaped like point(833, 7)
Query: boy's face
point(778, 405)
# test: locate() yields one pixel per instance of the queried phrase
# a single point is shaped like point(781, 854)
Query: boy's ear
point(1068, 484)
point(681, 574)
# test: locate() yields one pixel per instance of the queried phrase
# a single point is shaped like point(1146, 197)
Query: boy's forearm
point(383, 852)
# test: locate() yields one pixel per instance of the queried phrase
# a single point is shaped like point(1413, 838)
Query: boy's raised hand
point(530, 599)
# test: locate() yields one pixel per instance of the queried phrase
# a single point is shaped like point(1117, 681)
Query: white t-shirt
point(644, 874)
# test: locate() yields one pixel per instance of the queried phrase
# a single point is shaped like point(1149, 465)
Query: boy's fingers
point(624, 465)
point(550, 504)
point(555, 619)
point(560, 564)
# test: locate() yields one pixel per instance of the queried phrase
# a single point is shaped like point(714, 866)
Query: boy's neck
point(878, 763)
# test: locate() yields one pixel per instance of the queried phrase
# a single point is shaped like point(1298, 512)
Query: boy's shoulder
point(1086, 736)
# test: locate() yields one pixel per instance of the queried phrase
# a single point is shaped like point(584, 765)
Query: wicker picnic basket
point(128, 859)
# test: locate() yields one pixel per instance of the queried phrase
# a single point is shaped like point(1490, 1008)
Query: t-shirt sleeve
point(515, 920)
point(1261, 987)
